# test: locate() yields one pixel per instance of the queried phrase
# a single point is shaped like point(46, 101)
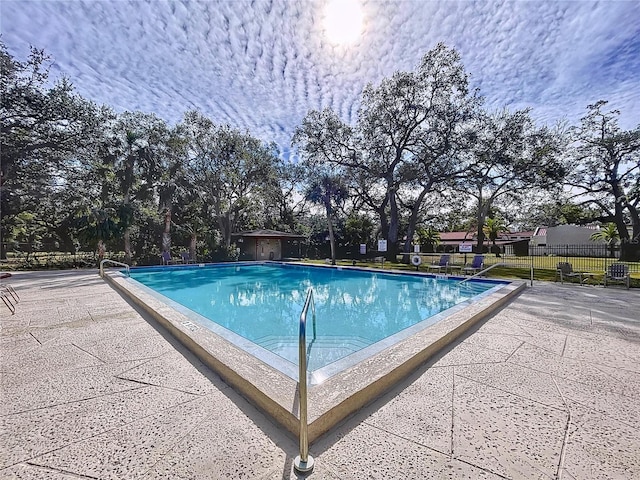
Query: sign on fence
point(382, 245)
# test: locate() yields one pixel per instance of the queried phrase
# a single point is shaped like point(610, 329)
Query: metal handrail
point(501, 264)
point(115, 263)
point(304, 461)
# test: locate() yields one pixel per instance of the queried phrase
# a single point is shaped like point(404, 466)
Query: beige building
point(565, 240)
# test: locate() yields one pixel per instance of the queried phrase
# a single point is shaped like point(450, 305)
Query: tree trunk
point(629, 252)
point(128, 182)
point(392, 240)
point(166, 233)
point(101, 251)
point(483, 210)
point(332, 240)
point(127, 246)
point(225, 230)
point(619, 213)
point(381, 211)
point(384, 222)
point(192, 246)
point(413, 219)
point(635, 222)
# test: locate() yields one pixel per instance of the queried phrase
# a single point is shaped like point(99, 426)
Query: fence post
point(532, 270)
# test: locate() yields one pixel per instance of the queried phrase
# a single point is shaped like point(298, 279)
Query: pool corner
point(340, 395)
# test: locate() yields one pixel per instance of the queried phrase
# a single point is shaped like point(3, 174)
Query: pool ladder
point(304, 461)
point(107, 260)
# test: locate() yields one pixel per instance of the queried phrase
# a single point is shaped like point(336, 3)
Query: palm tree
point(608, 233)
point(328, 190)
point(493, 227)
point(428, 236)
point(97, 225)
point(128, 180)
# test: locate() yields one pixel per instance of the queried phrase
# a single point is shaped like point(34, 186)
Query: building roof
point(266, 234)
point(524, 234)
point(456, 236)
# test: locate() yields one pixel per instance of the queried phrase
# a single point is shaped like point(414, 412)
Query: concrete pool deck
point(548, 387)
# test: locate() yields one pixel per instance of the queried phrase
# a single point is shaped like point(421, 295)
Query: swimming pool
point(355, 310)
point(269, 380)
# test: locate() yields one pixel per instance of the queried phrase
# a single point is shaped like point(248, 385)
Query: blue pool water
point(355, 309)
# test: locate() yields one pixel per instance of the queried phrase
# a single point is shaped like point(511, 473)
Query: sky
point(262, 65)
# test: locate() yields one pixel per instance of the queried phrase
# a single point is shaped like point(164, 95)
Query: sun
point(343, 21)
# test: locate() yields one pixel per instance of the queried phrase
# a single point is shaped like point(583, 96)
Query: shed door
point(269, 249)
point(263, 249)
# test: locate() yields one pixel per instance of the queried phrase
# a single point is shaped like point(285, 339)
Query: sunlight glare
point(343, 21)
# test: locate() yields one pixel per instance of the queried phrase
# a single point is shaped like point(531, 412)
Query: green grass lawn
point(544, 266)
point(546, 272)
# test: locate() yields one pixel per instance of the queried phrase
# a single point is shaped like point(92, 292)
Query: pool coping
point(341, 395)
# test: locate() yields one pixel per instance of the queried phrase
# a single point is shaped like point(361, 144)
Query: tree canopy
point(604, 162)
point(422, 151)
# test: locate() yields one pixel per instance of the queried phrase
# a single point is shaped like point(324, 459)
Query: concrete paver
point(174, 370)
point(49, 388)
point(208, 451)
point(376, 454)
point(506, 433)
point(431, 423)
point(469, 354)
point(600, 447)
point(512, 378)
point(33, 472)
point(35, 432)
point(549, 387)
point(495, 341)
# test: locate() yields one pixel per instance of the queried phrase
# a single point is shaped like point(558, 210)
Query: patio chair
point(186, 257)
point(166, 258)
point(565, 270)
point(476, 265)
point(443, 263)
point(617, 272)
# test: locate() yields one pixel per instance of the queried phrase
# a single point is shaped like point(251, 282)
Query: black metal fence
point(585, 258)
point(582, 258)
point(597, 250)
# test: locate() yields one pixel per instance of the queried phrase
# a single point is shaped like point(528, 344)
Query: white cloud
point(261, 65)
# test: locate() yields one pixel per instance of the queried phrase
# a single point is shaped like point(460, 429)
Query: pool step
point(350, 343)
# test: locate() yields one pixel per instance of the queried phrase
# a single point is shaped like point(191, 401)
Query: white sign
point(462, 248)
point(382, 245)
point(363, 248)
point(416, 249)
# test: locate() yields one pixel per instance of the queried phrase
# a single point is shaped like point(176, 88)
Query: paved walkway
point(547, 388)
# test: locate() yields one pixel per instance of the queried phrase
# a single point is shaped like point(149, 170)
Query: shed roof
point(267, 234)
